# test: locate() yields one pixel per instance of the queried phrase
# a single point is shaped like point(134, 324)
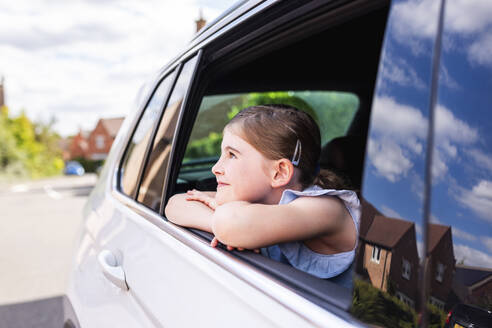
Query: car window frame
point(175, 69)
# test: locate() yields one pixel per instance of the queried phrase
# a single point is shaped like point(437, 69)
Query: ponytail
point(327, 179)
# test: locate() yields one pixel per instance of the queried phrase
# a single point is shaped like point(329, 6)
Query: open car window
point(333, 111)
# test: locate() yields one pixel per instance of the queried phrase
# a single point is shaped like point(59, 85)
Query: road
point(39, 224)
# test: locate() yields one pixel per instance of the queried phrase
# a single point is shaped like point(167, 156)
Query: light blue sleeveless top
point(301, 257)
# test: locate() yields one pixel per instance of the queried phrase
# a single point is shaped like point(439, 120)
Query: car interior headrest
point(345, 156)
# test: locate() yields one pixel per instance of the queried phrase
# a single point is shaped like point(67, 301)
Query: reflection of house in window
point(405, 299)
point(441, 264)
point(387, 244)
point(436, 302)
point(406, 269)
point(472, 285)
point(376, 254)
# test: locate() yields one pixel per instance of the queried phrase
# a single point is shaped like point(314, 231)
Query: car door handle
point(111, 269)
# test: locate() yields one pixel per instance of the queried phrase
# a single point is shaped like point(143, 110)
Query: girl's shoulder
point(347, 196)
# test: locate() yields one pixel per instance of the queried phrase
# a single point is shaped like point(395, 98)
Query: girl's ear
point(283, 172)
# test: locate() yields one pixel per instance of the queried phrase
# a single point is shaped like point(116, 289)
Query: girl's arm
point(242, 224)
point(189, 213)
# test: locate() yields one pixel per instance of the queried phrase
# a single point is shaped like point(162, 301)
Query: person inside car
point(272, 195)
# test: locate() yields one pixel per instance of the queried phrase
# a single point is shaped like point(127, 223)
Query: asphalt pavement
point(39, 224)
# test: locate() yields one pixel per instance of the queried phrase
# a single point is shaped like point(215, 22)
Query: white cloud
point(446, 78)
point(472, 256)
point(81, 60)
point(481, 159)
point(397, 120)
point(397, 70)
point(449, 128)
point(399, 131)
point(389, 212)
point(463, 234)
point(468, 16)
point(487, 241)
point(480, 50)
point(416, 18)
point(451, 132)
point(479, 199)
point(388, 159)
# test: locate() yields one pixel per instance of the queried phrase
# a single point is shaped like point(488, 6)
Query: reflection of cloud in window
point(479, 199)
point(471, 256)
point(389, 212)
point(450, 132)
point(414, 22)
point(487, 241)
point(450, 128)
point(399, 131)
point(397, 120)
point(388, 159)
point(417, 185)
point(480, 50)
point(416, 17)
point(463, 234)
point(446, 79)
point(481, 159)
point(398, 71)
point(468, 16)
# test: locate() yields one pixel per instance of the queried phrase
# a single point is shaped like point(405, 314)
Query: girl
point(272, 195)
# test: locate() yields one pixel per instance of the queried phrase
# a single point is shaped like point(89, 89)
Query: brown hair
point(274, 130)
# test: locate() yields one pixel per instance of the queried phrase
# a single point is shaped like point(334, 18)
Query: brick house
point(101, 138)
point(2, 92)
point(390, 258)
point(472, 285)
point(441, 264)
point(79, 146)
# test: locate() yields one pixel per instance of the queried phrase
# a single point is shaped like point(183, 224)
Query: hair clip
point(297, 153)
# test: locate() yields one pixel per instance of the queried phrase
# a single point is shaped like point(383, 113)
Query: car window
point(333, 111)
point(336, 87)
point(150, 191)
point(136, 149)
point(460, 231)
point(392, 223)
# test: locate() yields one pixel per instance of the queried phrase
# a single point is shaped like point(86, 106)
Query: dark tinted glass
point(135, 153)
point(460, 232)
point(391, 228)
point(153, 178)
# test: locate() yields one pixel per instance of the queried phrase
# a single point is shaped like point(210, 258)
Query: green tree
point(27, 149)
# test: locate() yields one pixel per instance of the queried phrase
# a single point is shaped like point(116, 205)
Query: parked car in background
point(74, 168)
point(401, 92)
point(463, 315)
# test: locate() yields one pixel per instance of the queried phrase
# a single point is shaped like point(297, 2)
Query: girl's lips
point(221, 184)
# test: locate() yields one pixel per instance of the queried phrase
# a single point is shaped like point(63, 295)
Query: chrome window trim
point(276, 290)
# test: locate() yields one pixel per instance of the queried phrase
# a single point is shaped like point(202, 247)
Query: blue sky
point(462, 161)
point(85, 59)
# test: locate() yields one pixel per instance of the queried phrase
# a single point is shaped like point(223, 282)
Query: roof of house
point(436, 232)
point(368, 213)
point(386, 231)
point(112, 125)
point(469, 276)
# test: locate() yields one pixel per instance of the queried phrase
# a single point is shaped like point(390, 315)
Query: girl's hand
point(215, 242)
point(201, 197)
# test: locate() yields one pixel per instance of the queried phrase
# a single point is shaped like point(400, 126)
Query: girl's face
point(242, 172)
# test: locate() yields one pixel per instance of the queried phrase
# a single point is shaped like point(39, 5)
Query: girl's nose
point(217, 168)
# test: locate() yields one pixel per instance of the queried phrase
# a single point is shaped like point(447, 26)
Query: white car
point(406, 80)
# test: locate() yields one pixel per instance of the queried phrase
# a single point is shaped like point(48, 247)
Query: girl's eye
point(232, 155)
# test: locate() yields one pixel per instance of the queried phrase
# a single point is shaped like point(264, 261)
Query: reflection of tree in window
point(151, 187)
